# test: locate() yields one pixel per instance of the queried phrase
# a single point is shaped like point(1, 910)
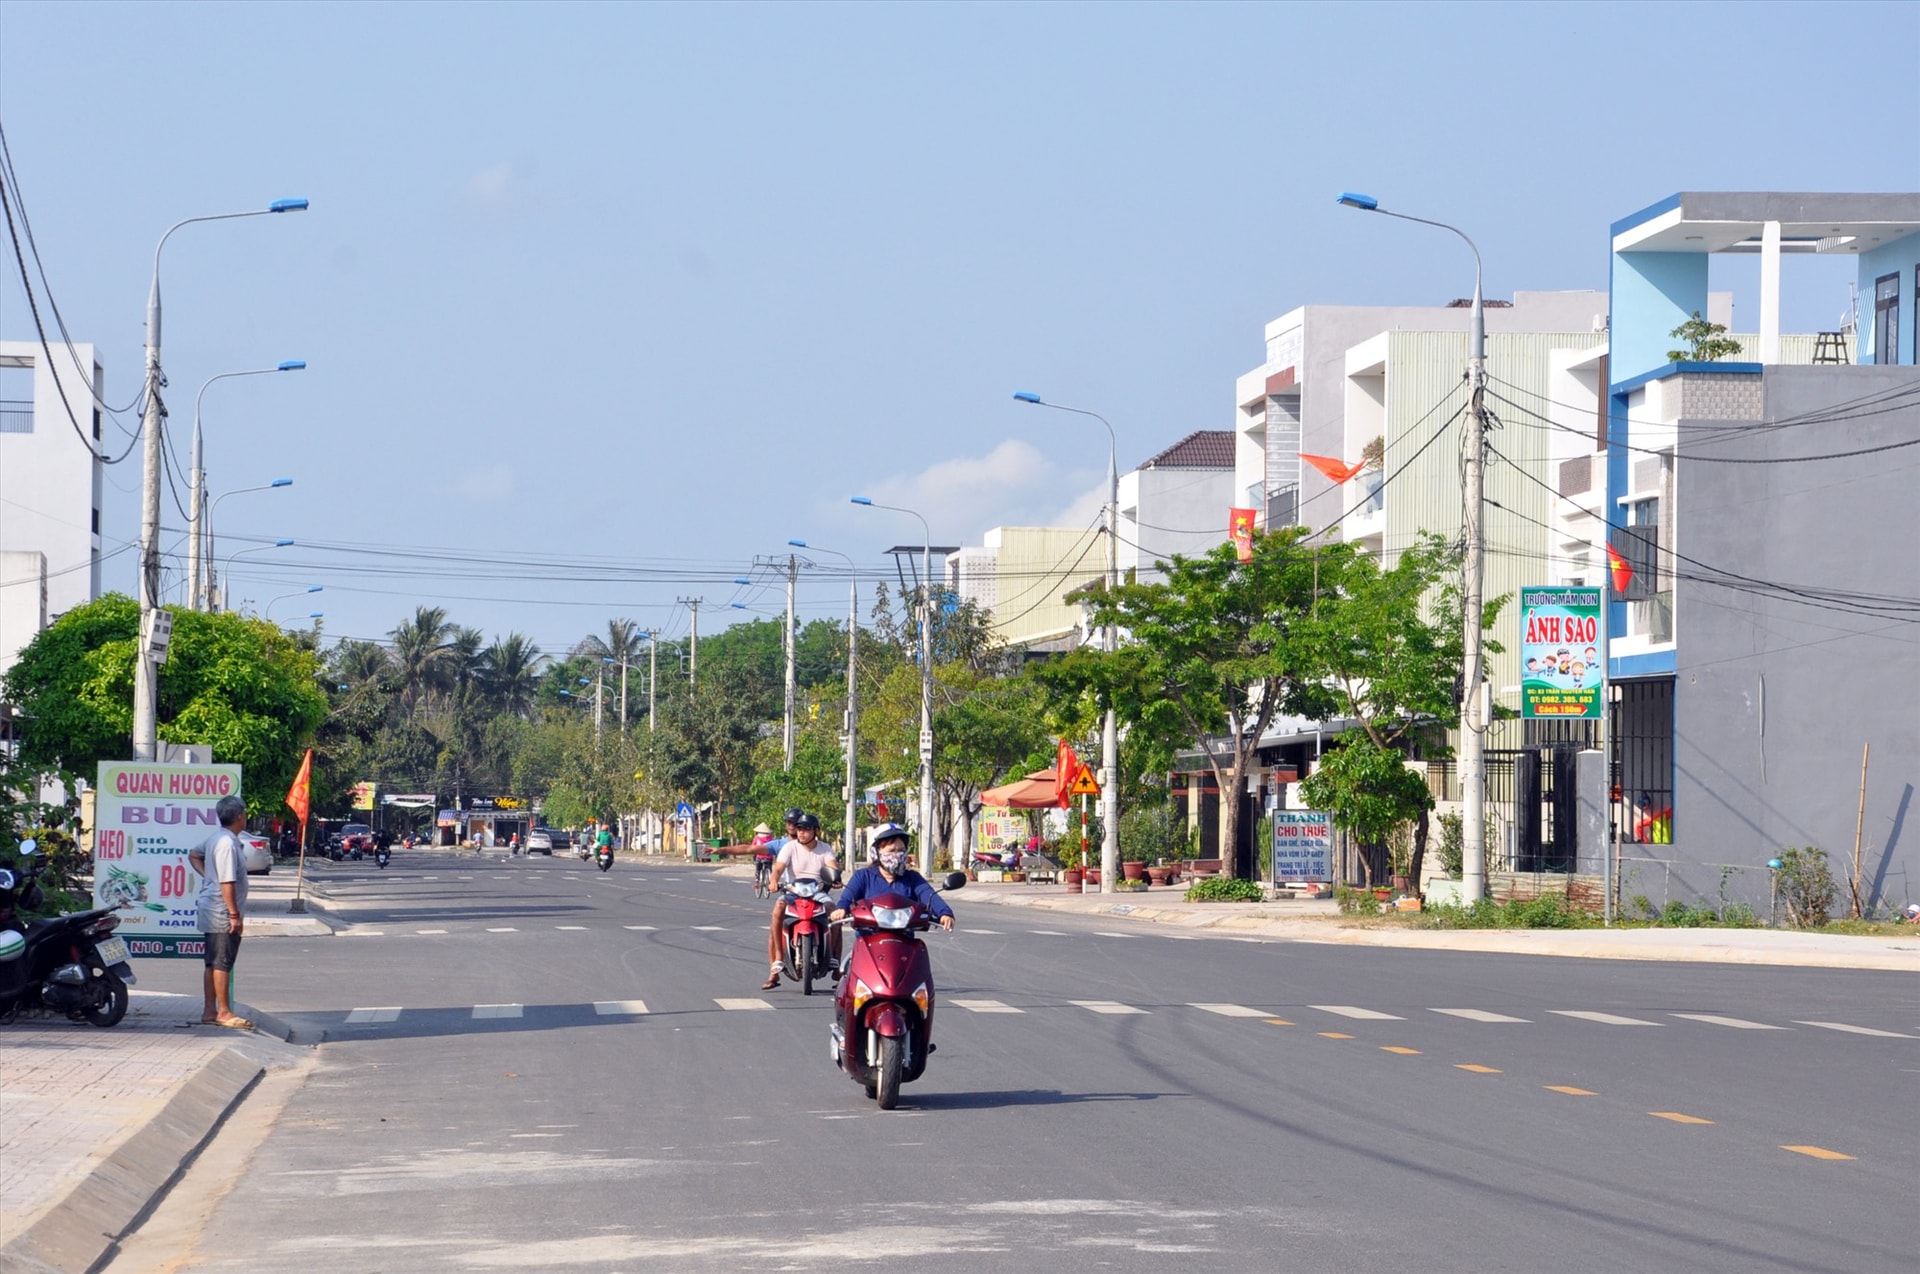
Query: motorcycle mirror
point(954, 880)
point(29, 847)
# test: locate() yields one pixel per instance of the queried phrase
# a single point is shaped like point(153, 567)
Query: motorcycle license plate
point(112, 951)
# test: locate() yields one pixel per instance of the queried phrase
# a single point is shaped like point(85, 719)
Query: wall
point(1035, 566)
point(1775, 697)
point(23, 602)
point(1169, 511)
point(1902, 256)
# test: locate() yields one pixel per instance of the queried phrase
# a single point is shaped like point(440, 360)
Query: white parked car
point(540, 841)
point(259, 854)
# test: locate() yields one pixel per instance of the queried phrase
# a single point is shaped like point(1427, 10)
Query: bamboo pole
point(1859, 826)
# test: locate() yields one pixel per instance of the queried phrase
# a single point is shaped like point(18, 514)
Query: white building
point(49, 487)
point(1177, 502)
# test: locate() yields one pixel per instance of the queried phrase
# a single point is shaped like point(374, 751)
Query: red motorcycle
point(883, 1011)
point(805, 952)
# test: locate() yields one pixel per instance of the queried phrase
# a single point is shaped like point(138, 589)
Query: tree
point(1369, 791)
point(241, 685)
point(1706, 342)
point(420, 656)
point(510, 674)
point(1216, 651)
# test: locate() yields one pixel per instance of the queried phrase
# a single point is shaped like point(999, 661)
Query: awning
point(1034, 792)
point(448, 818)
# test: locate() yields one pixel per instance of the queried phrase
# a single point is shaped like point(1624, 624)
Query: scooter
point(883, 1011)
point(805, 952)
point(383, 856)
point(71, 965)
point(997, 859)
point(605, 857)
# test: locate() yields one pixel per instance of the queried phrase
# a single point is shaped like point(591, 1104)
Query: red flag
point(300, 795)
point(1240, 531)
point(1336, 471)
point(1066, 768)
point(1618, 568)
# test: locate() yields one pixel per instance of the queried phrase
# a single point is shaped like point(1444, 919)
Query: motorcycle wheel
point(115, 1006)
point(893, 1064)
point(806, 963)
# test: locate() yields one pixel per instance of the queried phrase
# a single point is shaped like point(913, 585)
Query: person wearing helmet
point(801, 855)
point(889, 873)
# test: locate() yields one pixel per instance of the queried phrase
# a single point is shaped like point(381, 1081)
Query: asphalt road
point(528, 1065)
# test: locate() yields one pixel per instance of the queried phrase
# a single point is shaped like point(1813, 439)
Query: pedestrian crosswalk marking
point(481, 1011)
point(1113, 1007)
point(1737, 1023)
point(1859, 1030)
point(373, 1015)
point(1364, 1015)
point(620, 1008)
point(1479, 1015)
point(1230, 1010)
point(985, 1006)
point(1605, 1019)
point(745, 1004)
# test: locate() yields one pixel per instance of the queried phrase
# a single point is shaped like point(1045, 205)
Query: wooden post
point(1859, 826)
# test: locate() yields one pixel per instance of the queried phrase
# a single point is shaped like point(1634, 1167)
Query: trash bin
point(709, 845)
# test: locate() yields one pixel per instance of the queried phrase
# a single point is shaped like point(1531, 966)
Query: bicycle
point(762, 877)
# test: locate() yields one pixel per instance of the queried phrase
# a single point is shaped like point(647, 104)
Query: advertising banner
point(1000, 829)
point(147, 818)
point(1561, 668)
point(363, 795)
point(1302, 846)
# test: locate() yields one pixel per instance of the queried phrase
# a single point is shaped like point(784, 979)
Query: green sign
point(1561, 658)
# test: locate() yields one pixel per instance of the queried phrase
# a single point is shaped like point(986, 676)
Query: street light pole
point(268, 613)
point(653, 671)
point(926, 683)
point(196, 536)
point(210, 583)
point(1109, 642)
point(853, 701)
point(258, 548)
point(146, 674)
point(1473, 725)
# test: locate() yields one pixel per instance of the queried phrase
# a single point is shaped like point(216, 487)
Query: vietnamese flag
point(300, 795)
point(1335, 471)
point(1067, 767)
point(1240, 531)
point(1618, 568)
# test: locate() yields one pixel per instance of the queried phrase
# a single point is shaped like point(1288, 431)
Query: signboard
point(1562, 673)
point(683, 811)
point(1084, 784)
point(147, 818)
point(1302, 845)
point(363, 794)
point(1000, 829)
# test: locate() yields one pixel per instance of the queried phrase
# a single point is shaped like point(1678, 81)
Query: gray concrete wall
point(1775, 697)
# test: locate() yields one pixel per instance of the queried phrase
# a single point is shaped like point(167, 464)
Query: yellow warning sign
point(1085, 785)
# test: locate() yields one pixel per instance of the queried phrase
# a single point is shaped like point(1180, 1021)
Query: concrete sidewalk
point(1321, 922)
point(94, 1124)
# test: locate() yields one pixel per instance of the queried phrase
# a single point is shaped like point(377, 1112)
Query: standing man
point(222, 864)
point(803, 855)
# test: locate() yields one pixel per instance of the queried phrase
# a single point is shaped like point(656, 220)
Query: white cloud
point(1014, 484)
point(491, 185)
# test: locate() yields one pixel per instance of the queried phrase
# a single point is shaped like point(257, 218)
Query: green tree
point(1706, 342)
point(1369, 791)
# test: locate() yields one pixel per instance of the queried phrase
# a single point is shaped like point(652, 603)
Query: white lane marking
point(506, 929)
point(620, 1008)
point(463, 878)
point(429, 878)
point(500, 878)
point(1479, 1015)
point(498, 1010)
point(985, 1006)
point(1099, 933)
point(373, 1015)
point(1349, 1010)
point(1113, 1007)
point(744, 1004)
point(710, 928)
point(1605, 1019)
point(429, 930)
point(1231, 1010)
point(521, 1135)
point(1859, 1030)
point(994, 932)
point(638, 928)
point(571, 928)
point(1738, 1023)
point(1182, 937)
point(1047, 933)
point(362, 933)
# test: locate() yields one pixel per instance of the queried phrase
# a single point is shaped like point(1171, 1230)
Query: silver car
point(540, 841)
point(259, 854)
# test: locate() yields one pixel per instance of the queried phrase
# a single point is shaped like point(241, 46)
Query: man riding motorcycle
point(889, 873)
point(800, 856)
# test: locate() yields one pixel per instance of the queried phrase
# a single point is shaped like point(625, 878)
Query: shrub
point(1452, 846)
point(1224, 889)
point(1355, 902)
point(1806, 886)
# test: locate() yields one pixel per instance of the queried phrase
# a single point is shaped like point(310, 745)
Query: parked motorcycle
point(883, 1011)
point(996, 859)
point(72, 964)
point(805, 951)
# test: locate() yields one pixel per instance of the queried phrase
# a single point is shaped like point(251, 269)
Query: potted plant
point(1073, 878)
point(1134, 870)
point(1161, 875)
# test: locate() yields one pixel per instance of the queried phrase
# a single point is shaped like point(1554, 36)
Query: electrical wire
point(1827, 414)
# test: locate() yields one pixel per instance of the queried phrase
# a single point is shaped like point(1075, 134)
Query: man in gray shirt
point(222, 864)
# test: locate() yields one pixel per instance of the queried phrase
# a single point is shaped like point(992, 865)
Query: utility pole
point(196, 518)
point(693, 646)
point(853, 718)
point(623, 694)
point(653, 671)
point(599, 695)
point(793, 570)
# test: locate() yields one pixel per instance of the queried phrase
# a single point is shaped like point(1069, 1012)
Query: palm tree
point(621, 646)
point(420, 655)
point(510, 673)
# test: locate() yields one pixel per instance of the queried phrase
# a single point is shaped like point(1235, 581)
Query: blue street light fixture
point(277, 482)
point(1366, 203)
point(199, 516)
point(311, 589)
point(927, 820)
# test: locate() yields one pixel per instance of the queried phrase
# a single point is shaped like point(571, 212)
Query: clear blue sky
point(665, 284)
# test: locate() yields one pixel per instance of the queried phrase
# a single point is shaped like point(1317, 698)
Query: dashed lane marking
point(1569, 1090)
point(620, 1008)
point(994, 932)
point(710, 928)
point(1816, 1152)
point(373, 1015)
point(1360, 1014)
point(1047, 933)
point(1476, 1068)
point(1479, 1015)
point(985, 1006)
point(1112, 1007)
point(1336, 1035)
point(1230, 1010)
point(1101, 933)
point(571, 928)
point(504, 929)
point(1738, 1023)
point(435, 931)
point(363, 933)
point(1859, 1030)
point(498, 1010)
point(1677, 1117)
point(639, 928)
point(1278, 1021)
point(1605, 1019)
point(1400, 1049)
point(742, 1004)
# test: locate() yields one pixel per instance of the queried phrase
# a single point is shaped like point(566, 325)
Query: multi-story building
point(1176, 502)
point(50, 473)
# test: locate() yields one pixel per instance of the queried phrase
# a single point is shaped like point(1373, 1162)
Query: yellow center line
point(1571, 1092)
point(1476, 1068)
point(1677, 1117)
point(1278, 1021)
point(1395, 1048)
point(1816, 1152)
point(1335, 1035)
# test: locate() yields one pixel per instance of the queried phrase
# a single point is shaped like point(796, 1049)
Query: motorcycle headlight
point(806, 888)
point(893, 917)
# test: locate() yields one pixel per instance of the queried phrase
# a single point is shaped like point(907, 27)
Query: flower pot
point(1134, 871)
point(1382, 894)
point(1160, 875)
point(1402, 884)
point(1093, 875)
point(1073, 877)
point(1014, 877)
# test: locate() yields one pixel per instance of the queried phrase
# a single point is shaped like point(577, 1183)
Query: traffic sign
point(1085, 785)
point(683, 810)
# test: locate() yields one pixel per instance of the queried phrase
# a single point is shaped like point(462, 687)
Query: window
point(1641, 548)
point(1886, 318)
point(16, 399)
point(96, 521)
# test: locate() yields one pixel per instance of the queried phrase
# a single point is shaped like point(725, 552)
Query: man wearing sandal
point(222, 864)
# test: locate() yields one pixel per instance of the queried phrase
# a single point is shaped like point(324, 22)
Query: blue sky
point(663, 285)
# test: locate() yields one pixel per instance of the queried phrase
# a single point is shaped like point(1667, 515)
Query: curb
point(110, 1201)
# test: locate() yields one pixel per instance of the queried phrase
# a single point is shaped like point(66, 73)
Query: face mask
point(894, 861)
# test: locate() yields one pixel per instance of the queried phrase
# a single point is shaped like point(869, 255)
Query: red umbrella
point(1034, 792)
